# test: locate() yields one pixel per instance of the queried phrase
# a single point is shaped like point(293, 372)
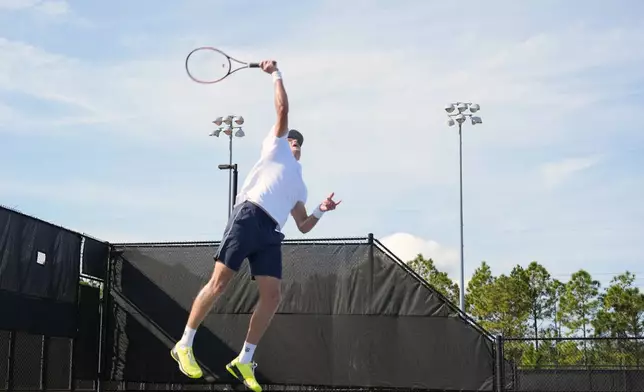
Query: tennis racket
point(210, 65)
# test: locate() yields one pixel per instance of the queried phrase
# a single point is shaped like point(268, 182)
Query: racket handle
point(256, 65)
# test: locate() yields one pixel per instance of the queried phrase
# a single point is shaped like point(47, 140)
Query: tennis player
point(273, 189)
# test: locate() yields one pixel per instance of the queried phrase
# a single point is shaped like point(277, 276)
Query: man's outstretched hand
point(268, 66)
point(328, 204)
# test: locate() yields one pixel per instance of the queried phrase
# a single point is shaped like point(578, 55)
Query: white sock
point(188, 337)
point(246, 354)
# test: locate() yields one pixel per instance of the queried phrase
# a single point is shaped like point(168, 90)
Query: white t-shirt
point(275, 183)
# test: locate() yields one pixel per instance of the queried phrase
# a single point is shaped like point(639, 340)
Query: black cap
point(295, 134)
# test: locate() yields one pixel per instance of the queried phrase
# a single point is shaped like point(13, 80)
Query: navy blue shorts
point(252, 233)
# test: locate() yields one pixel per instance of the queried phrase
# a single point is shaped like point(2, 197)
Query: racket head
point(208, 65)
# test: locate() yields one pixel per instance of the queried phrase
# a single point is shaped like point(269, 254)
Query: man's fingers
point(329, 203)
point(332, 205)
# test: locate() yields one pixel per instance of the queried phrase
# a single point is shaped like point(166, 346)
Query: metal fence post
point(499, 359)
point(370, 241)
point(44, 353)
point(11, 360)
point(72, 369)
point(104, 323)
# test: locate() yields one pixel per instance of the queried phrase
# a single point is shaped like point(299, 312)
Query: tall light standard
point(458, 112)
point(225, 124)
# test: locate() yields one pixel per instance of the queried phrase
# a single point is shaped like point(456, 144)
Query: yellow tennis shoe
point(186, 360)
point(244, 372)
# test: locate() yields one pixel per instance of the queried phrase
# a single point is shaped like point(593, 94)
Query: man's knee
point(269, 290)
point(220, 278)
point(273, 296)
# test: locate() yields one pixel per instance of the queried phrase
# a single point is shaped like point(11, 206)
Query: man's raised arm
point(281, 99)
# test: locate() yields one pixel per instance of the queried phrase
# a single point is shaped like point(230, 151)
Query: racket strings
point(208, 66)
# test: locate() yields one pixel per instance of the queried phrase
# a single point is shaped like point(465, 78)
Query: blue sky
point(103, 132)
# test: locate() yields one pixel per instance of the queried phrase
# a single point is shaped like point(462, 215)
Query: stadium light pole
point(458, 112)
point(225, 125)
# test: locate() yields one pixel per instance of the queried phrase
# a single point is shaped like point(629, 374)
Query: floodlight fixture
point(225, 125)
point(459, 111)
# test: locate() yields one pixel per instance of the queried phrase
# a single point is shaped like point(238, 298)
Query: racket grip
point(253, 65)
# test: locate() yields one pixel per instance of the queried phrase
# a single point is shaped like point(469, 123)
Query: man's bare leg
point(182, 351)
point(205, 300)
point(269, 300)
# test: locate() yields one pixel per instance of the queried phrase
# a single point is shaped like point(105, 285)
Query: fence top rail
point(289, 241)
point(92, 278)
point(572, 338)
point(580, 368)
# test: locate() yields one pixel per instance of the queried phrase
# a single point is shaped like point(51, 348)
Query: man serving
point(273, 189)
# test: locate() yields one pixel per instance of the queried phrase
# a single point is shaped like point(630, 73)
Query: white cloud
point(152, 98)
point(407, 246)
point(125, 197)
point(154, 91)
point(125, 212)
point(17, 4)
point(555, 173)
point(7, 114)
point(47, 7)
point(54, 7)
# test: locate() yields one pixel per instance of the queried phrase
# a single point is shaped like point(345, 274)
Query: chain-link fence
point(332, 289)
point(331, 292)
point(574, 364)
point(114, 332)
point(35, 362)
point(134, 299)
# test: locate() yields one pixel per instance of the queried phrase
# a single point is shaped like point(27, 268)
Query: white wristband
point(318, 212)
point(276, 75)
